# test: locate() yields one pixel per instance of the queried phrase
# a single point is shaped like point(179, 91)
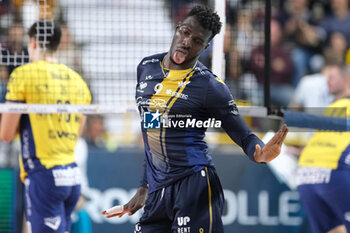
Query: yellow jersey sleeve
point(16, 86)
point(325, 148)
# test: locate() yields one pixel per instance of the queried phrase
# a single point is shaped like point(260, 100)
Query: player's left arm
point(221, 105)
point(273, 148)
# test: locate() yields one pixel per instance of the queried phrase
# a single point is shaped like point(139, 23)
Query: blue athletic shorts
point(192, 204)
point(326, 199)
point(50, 198)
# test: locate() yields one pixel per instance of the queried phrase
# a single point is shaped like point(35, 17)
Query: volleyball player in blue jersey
point(180, 189)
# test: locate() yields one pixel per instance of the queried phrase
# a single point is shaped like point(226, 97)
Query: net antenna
point(218, 58)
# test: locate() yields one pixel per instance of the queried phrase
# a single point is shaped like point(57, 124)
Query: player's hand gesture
point(136, 203)
point(273, 148)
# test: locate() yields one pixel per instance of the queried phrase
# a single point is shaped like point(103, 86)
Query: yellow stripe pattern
point(163, 101)
point(210, 203)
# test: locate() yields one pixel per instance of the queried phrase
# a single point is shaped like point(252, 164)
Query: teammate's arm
point(9, 125)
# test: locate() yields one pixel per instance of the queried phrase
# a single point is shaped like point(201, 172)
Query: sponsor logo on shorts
point(53, 222)
point(137, 228)
point(67, 177)
point(313, 175)
point(182, 222)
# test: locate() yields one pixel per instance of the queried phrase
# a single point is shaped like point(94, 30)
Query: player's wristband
point(115, 210)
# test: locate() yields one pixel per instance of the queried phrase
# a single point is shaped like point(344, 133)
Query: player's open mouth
point(179, 56)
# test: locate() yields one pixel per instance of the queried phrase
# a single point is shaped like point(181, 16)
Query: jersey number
point(64, 116)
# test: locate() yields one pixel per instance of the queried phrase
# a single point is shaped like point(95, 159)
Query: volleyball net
point(105, 40)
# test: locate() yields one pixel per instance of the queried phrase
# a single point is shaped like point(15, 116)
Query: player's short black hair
point(47, 33)
point(207, 18)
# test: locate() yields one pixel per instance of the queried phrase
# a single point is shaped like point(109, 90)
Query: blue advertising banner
point(256, 202)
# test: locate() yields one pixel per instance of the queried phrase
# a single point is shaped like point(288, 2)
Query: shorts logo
point(137, 228)
point(151, 120)
point(53, 222)
point(182, 221)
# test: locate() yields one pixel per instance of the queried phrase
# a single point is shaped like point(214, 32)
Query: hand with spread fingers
point(136, 203)
point(273, 148)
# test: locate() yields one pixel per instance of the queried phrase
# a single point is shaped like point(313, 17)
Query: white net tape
point(253, 111)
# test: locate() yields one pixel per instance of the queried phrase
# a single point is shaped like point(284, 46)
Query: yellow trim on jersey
point(219, 80)
point(172, 103)
point(324, 149)
point(168, 91)
point(22, 172)
point(210, 203)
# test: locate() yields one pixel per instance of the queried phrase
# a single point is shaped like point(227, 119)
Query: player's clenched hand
point(273, 148)
point(136, 203)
